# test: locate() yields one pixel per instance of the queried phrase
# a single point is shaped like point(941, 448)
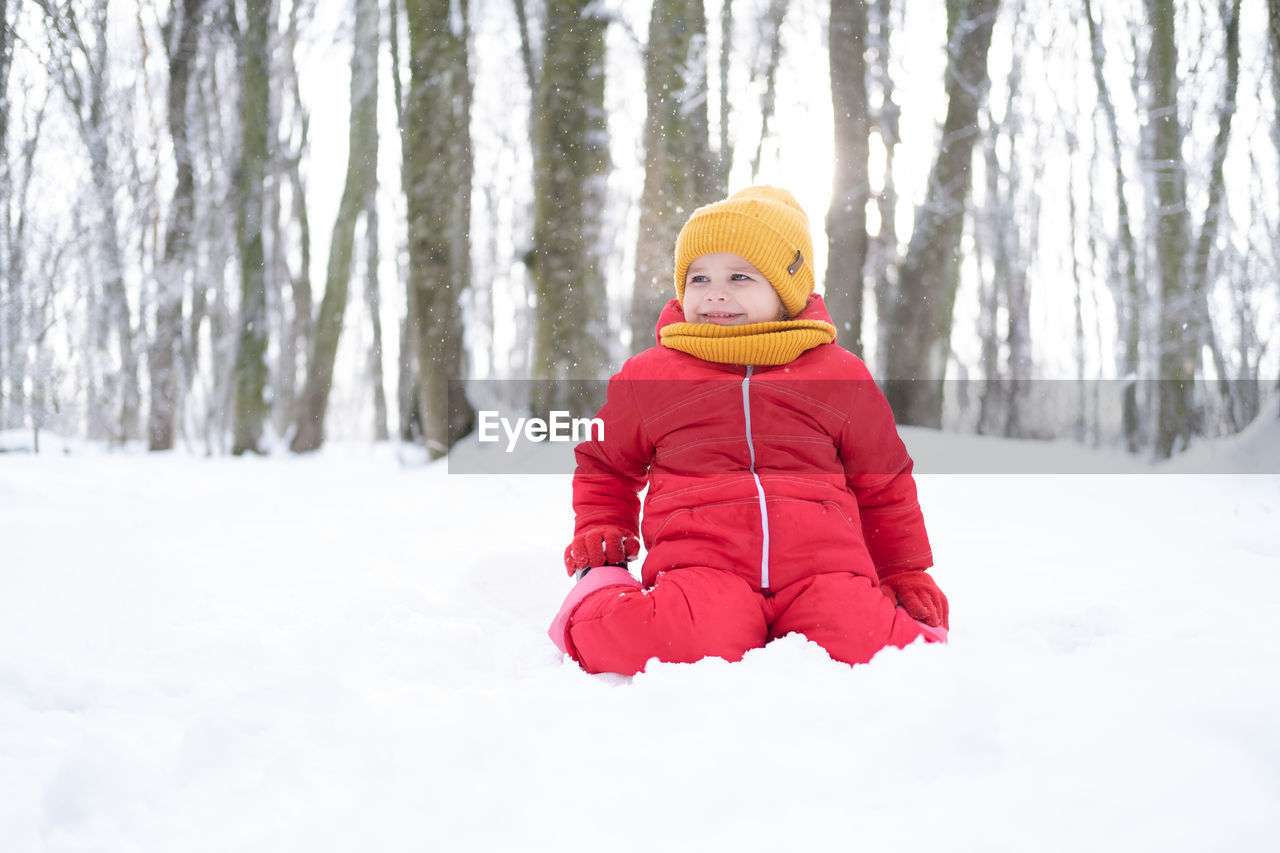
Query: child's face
point(726, 289)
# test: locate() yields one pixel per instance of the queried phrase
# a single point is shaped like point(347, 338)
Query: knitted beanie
point(763, 224)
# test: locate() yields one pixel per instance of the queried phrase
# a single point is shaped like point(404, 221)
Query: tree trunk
point(409, 427)
point(919, 327)
point(215, 135)
point(437, 185)
point(1179, 324)
point(290, 232)
point(1081, 426)
point(519, 358)
point(10, 408)
point(571, 161)
point(1213, 212)
point(1123, 274)
point(80, 62)
point(115, 298)
point(373, 302)
point(182, 41)
point(883, 250)
point(97, 132)
point(679, 172)
point(772, 26)
point(1273, 39)
point(6, 60)
point(1016, 223)
point(724, 152)
point(992, 236)
point(526, 47)
point(847, 216)
point(250, 407)
point(362, 158)
point(1003, 224)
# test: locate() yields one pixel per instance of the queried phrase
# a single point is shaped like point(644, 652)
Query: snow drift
point(343, 652)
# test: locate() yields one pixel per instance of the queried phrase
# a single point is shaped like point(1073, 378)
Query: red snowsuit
point(777, 497)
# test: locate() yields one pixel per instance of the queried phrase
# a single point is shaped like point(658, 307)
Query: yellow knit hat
point(765, 225)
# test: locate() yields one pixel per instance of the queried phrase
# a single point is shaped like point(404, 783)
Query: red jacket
point(773, 473)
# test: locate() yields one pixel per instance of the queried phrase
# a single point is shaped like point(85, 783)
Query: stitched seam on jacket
point(690, 511)
point(688, 490)
point(784, 388)
point(721, 387)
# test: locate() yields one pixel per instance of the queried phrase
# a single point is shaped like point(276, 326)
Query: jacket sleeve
point(613, 466)
point(878, 470)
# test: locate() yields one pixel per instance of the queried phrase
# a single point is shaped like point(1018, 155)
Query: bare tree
point(679, 169)
point(410, 419)
point(1179, 322)
point(6, 61)
point(919, 320)
point(181, 43)
point(251, 408)
point(1211, 224)
point(373, 302)
point(1009, 223)
point(847, 215)
point(724, 63)
point(10, 410)
point(1126, 287)
point(289, 261)
point(526, 46)
point(437, 173)
point(571, 161)
point(81, 66)
point(774, 17)
point(360, 187)
point(883, 250)
point(1273, 40)
point(209, 376)
point(1251, 263)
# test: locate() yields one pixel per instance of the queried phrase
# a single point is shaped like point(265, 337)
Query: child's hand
point(604, 545)
point(916, 592)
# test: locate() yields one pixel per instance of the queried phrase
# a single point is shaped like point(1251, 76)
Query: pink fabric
point(593, 581)
point(930, 633)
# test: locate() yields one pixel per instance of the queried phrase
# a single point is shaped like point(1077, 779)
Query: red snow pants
point(696, 612)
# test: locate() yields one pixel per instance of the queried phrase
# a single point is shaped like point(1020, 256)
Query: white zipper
point(764, 510)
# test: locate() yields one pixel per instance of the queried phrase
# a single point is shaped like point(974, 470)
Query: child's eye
point(740, 276)
point(698, 279)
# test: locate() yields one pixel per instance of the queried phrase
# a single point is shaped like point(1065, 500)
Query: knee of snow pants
point(604, 577)
point(689, 614)
point(847, 616)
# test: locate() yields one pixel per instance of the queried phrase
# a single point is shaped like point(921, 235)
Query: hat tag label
point(796, 264)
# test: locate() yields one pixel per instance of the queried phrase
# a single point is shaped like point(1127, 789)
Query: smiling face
point(725, 289)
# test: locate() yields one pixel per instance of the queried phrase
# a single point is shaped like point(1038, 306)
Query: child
point(780, 497)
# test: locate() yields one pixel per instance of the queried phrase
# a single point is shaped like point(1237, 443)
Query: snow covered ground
point(346, 653)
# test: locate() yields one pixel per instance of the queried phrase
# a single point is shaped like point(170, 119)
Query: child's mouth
point(719, 317)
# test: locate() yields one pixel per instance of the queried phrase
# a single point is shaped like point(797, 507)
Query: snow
point(346, 652)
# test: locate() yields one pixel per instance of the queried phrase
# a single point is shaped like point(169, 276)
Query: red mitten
point(916, 592)
point(604, 545)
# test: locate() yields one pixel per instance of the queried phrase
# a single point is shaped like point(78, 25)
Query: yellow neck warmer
point(772, 343)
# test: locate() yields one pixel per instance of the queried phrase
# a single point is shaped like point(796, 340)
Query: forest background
point(236, 226)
